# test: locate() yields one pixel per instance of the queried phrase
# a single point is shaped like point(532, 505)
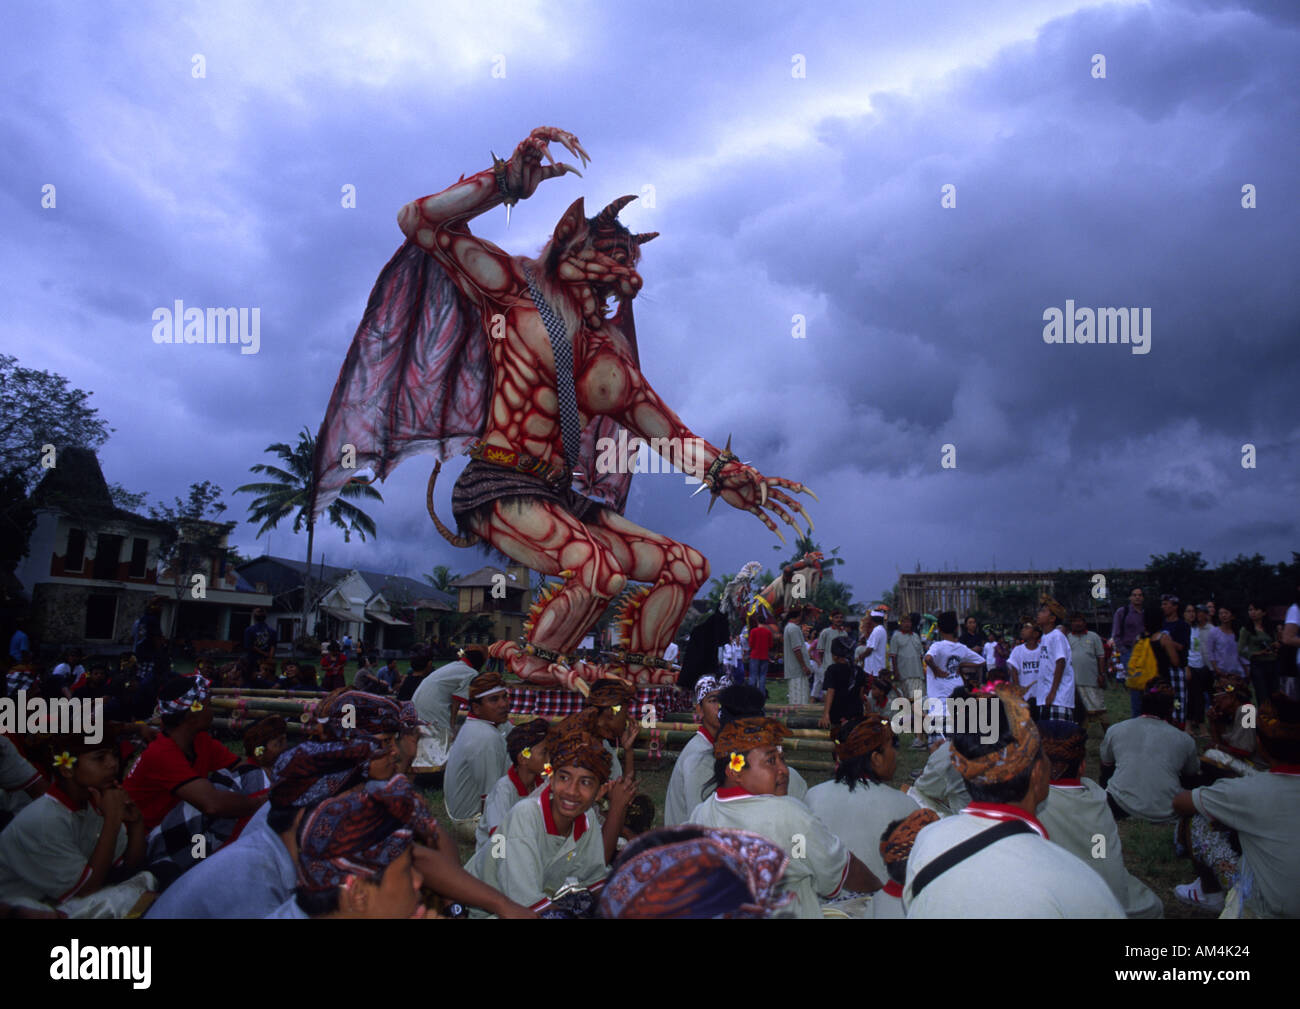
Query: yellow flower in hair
point(547, 770)
point(65, 759)
point(259, 751)
point(527, 753)
point(196, 706)
point(737, 761)
point(616, 708)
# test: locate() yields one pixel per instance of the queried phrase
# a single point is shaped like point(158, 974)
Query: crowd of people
point(156, 815)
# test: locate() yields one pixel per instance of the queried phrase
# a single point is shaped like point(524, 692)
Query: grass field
point(1148, 848)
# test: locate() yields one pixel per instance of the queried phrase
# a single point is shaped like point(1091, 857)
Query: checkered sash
point(556, 704)
point(562, 351)
point(170, 845)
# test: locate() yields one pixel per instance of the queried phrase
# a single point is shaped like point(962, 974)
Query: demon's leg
point(548, 539)
point(649, 619)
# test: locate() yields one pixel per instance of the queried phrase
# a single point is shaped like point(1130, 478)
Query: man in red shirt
point(175, 766)
point(760, 644)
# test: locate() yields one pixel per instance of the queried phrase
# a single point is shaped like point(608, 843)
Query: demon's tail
point(447, 534)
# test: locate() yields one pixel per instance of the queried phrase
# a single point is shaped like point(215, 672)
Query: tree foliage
point(39, 408)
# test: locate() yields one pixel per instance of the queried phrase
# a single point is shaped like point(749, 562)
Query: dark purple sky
point(776, 196)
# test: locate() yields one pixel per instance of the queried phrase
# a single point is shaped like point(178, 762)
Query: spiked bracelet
point(558, 658)
point(649, 661)
point(499, 170)
point(715, 468)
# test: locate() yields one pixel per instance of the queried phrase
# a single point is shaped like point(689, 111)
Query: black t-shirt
point(261, 637)
point(975, 642)
point(847, 684)
point(407, 690)
point(1182, 635)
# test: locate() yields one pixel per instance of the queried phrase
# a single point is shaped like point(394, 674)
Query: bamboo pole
point(260, 692)
point(803, 763)
point(821, 743)
point(239, 724)
point(265, 705)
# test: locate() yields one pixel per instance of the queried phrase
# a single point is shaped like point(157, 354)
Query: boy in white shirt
point(1055, 694)
point(947, 661)
point(1023, 661)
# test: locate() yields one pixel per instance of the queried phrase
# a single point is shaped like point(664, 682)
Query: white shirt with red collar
point(1264, 810)
point(819, 861)
point(529, 858)
point(476, 760)
point(45, 852)
point(692, 773)
point(508, 790)
point(1021, 876)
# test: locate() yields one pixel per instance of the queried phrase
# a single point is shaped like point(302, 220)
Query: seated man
point(1143, 759)
point(20, 781)
point(744, 701)
point(609, 716)
point(1078, 818)
point(553, 840)
point(82, 835)
point(895, 846)
point(939, 787)
point(441, 695)
point(478, 757)
point(356, 857)
point(860, 802)
point(693, 769)
point(187, 835)
point(353, 714)
point(752, 779)
point(409, 736)
point(175, 766)
point(254, 875)
point(694, 872)
point(1010, 869)
point(529, 751)
point(410, 683)
point(264, 741)
point(1264, 811)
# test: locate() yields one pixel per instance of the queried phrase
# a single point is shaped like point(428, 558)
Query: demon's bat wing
point(416, 378)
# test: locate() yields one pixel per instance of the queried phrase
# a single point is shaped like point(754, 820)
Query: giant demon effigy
point(520, 364)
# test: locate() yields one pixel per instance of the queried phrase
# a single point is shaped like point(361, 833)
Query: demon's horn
point(610, 214)
point(644, 237)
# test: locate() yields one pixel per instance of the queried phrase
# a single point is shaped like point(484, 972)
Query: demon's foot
point(643, 669)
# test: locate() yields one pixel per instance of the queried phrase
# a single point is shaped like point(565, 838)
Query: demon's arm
point(438, 223)
point(641, 410)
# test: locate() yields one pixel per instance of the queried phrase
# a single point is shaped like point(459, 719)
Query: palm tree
point(289, 490)
point(441, 577)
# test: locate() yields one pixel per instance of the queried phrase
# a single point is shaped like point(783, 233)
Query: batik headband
point(361, 833)
point(745, 734)
point(192, 700)
point(610, 693)
point(312, 771)
point(867, 736)
point(573, 746)
point(896, 846)
point(705, 686)
point(1013, 758)
point(1067, 750)
point(723, 874)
